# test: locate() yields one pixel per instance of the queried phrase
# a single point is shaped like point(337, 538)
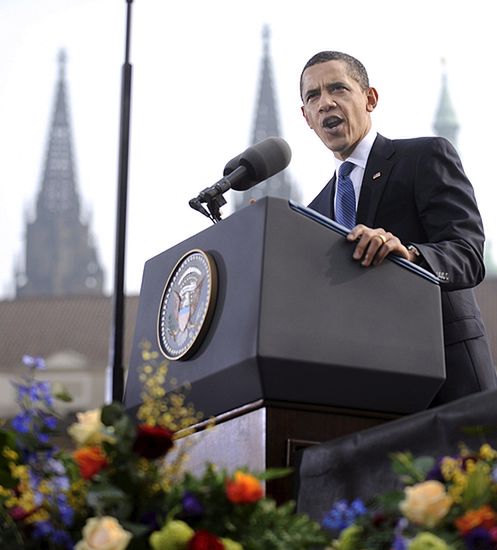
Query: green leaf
point(112, 413)
point(478, 490)
point(61, 393)
point(7, 480)
point(109, 500)
point(410, 470)
point(423, 465)
point(275, 473)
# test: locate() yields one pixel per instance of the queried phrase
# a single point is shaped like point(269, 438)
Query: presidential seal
point(187, 305)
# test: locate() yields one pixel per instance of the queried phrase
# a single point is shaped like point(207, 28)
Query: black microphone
point(257, 163)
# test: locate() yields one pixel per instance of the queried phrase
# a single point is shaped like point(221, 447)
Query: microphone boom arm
point(213, 198)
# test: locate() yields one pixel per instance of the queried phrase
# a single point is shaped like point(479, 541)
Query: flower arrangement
point(122, 485)
point(449, 503)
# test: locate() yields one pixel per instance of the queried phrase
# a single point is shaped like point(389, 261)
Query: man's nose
point(326, 102)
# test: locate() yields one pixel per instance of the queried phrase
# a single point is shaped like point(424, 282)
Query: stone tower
point(60, 257)
point(445, 123)
point(266, 124)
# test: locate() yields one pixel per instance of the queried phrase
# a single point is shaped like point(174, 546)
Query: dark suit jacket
point(417, 190)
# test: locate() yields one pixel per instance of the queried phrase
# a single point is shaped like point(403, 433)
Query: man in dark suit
point(409, 197)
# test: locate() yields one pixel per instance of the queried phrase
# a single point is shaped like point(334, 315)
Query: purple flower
point(43, 438)
point(358, 508)
point(192, 507)
point(61, 483)
point(56, 466)
point(494, 474)
point(42, 529)
point(50, 421)
point(479, 539)
point(44, 392)
point(61, 538)
point(22, 422)
point(435, 473)
point(151, 520)
point(342, 514)
point(65, 511)
point(399, 543)
point(23, 391)
point(35, 362)
point(35, 391)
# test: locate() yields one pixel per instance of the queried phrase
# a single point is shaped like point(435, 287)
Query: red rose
point(152, 441)
point(17, 513)
point(90, 461)
point(203, 540)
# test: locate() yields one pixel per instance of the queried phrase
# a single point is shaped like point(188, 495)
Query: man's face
point(336, 107)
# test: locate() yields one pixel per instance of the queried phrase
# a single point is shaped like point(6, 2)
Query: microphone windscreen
point(232, 165)
point(261, 161)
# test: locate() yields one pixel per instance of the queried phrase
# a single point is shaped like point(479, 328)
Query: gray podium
point(304, 344)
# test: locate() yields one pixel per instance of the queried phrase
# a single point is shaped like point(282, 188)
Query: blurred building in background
point(60, 254)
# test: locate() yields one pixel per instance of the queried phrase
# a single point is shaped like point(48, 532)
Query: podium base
point(264, 435)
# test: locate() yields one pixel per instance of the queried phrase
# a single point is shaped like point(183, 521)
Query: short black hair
point(354, 67)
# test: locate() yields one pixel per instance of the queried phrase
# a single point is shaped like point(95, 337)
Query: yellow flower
point(450, 466)
point(487, 453)
point(88, 429)
point(426, 503)
point(103, 533)
point(231, 544)
point(428, 541)
point(175, 535)
point(452, 471)
point(10, 454)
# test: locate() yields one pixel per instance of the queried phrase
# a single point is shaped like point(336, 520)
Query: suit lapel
point(375, 178)
point(323, 203)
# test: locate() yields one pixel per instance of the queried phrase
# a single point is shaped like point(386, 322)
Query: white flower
point(88, 430)
point(103, 533)
point(426, 503)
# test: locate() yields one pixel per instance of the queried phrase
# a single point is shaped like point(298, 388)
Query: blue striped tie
point(345, 197)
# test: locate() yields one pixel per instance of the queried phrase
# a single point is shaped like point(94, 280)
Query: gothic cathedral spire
point(266, 124)
point(60, 258)
point(446, 124)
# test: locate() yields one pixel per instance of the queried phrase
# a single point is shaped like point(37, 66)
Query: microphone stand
point(117, 335)
point(213, 205)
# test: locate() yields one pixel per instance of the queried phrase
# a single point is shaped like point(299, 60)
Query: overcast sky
point(195, 74)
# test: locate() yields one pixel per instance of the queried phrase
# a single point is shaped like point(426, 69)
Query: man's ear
point(302, 108)
point(372, 99)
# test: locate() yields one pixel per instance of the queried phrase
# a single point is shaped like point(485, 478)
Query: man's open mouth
point(331, 122)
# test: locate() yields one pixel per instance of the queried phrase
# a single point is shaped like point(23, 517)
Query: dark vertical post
point(117, 337)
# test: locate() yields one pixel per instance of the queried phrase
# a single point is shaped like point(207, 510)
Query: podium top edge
point(341, 230)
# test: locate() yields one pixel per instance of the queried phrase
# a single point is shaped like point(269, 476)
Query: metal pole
point(118, 325)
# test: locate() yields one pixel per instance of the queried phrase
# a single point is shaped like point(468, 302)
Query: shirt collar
point(360, 154)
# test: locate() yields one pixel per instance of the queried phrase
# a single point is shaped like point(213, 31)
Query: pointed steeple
point(60, 258)
point(266, 124)
point(266, 117)
point(446, 124)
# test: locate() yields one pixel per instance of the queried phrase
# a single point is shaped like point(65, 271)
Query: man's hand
point(374, 245)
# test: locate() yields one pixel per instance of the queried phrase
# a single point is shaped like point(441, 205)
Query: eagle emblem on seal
point(187, 305)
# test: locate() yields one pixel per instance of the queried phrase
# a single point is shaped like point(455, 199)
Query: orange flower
point(244, 488)
point(483, 517)
point(90, 461)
